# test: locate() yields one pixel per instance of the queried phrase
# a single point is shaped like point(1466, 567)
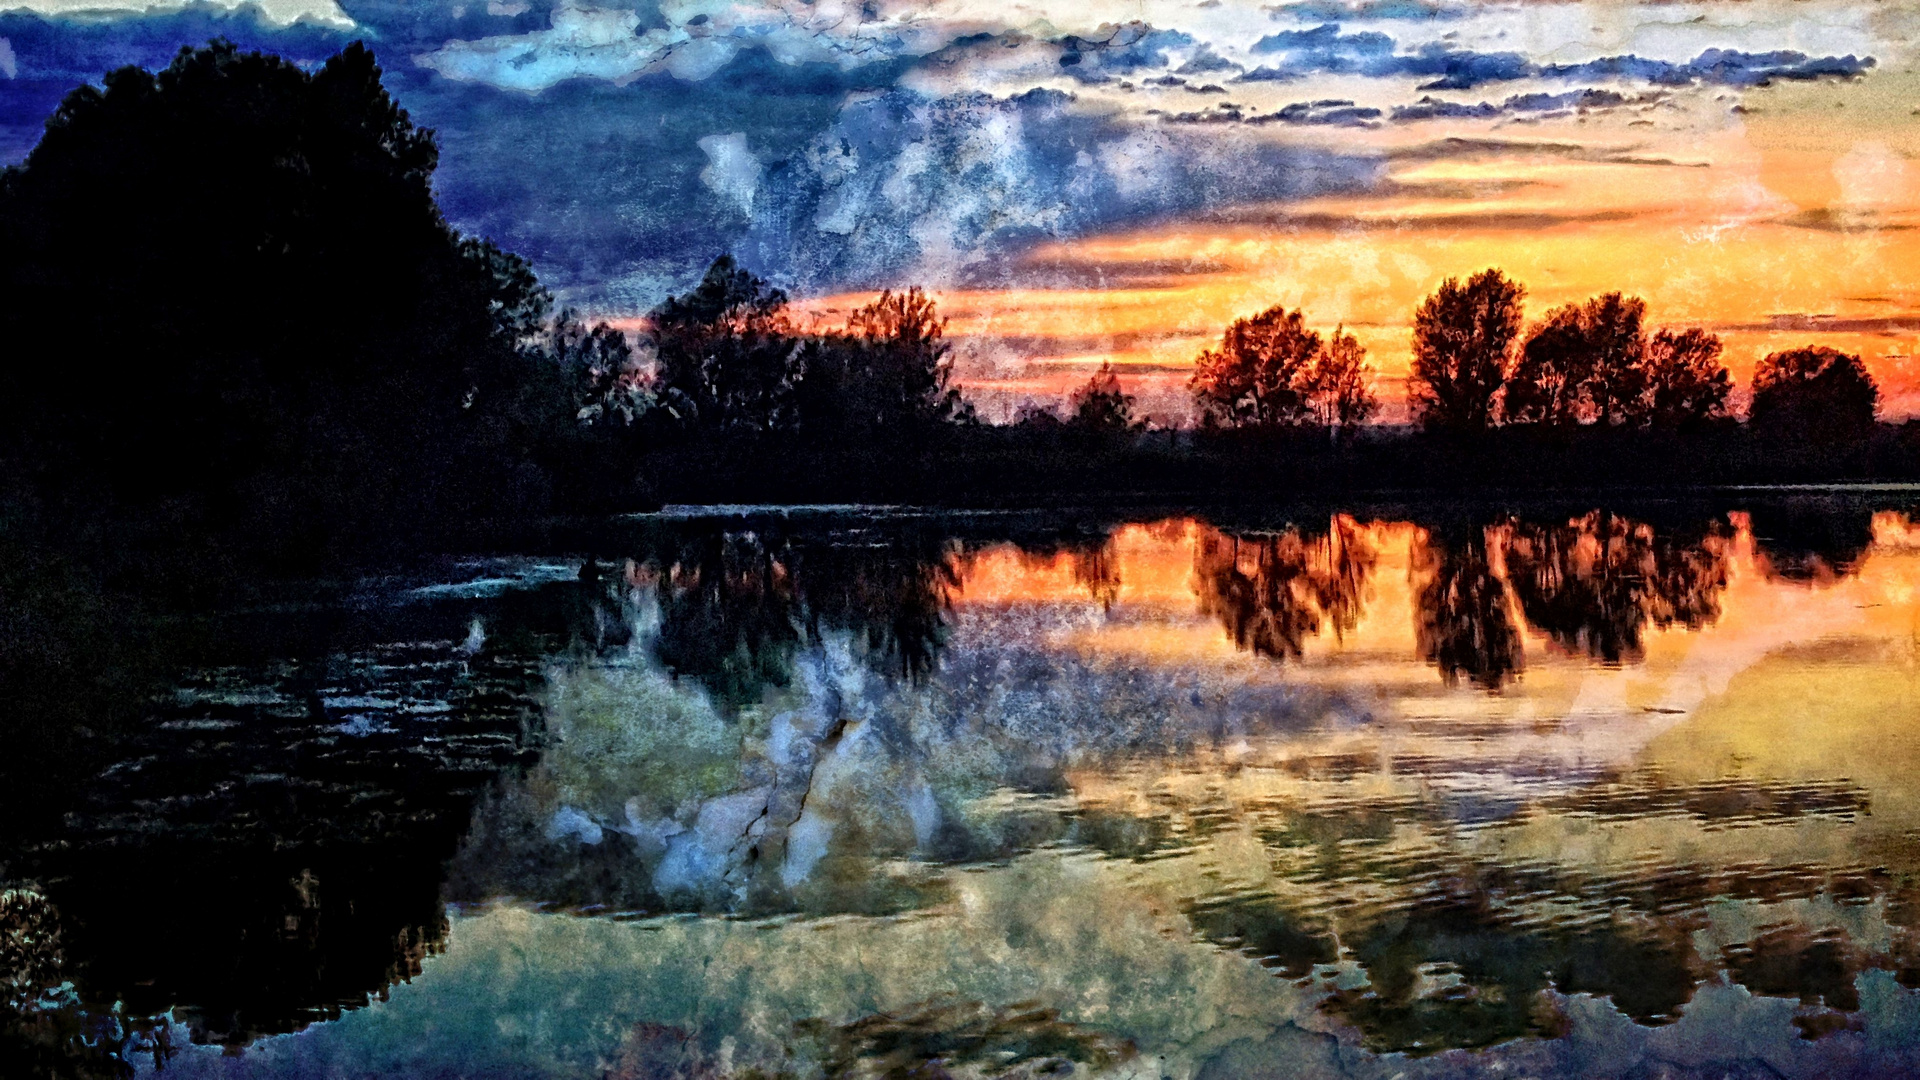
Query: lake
point(1504, 789)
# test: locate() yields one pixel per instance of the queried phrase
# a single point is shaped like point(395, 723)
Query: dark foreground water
point(1503, 791)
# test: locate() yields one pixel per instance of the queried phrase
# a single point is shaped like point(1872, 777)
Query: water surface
point(1387, 791)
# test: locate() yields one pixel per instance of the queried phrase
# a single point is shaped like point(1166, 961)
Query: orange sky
point(1783, 216)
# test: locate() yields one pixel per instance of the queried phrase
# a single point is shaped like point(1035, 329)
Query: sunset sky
point(1116, 181)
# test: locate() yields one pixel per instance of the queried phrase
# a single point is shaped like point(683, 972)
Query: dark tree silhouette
point(1810, 541)
point(1593, 584)
point(1271, 593)
point(727, 353)
point(609, 387)
point(1813, 395)
point(1584, 364)
point(285, 309)
point(1466, 625)
point(1686, 383)
point(886, 375)
point(1462, 339)
point(1257, 377)
point(1338, 383)
point(1100, 405)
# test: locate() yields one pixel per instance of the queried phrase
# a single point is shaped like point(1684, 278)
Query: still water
point(1373, 792)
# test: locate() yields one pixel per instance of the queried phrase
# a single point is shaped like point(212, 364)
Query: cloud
point(281, 12)
point(1330, 112)
point(1366, 10)
point(691, 40)
point(1124, 50)
point(733, 173)
point(948, 188)
point(1326, 50)
point(1432, 108)
point(1717, 67)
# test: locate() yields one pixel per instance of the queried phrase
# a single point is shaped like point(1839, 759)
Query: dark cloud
point(1326, 113)
point(1717, 67)
point(1326, 50)
point(1125, 50)
point(1432, 108)
point(1456, 149)
point(1803, 322)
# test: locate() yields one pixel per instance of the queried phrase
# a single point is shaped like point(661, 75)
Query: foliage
point(1813, 395)
point(1584, 364)
point(1463, 336)
point(727, 353)
point(1256, 377)
point(284, 308)
point(1100, 404)
point(888, 373)
point(607, 382)
point(1687, 385)
point(1338, 383)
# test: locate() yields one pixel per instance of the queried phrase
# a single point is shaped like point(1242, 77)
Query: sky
point(1116, 181)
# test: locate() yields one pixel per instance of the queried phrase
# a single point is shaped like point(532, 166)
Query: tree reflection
point(735, 608)
point(1811, 541)
point(1272, 592)
point(1465, 622)
point(1594, 583)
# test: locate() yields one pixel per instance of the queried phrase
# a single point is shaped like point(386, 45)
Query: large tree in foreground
point(1463, 337)
point(282, 335)
point(1813, 396)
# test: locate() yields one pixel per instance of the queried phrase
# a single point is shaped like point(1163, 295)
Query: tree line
point(1587, 364)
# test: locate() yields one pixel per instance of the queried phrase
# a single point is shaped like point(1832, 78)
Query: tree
point(1257, 377)
point(1462, 338)
point(1686, 383)
point(887, 373)
point(286, 307)
point(1337, 383)
point(727, 353)
point(607, 382)
point(1583, 365)
point(1100, 404)
point(1813, 395)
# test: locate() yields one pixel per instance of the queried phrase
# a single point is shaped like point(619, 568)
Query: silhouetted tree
point(287, 309)
point(1465, 622)
point(1810, 541)
point(1813, 395)
point(1686, 383)
point(609, 388)
point(886, 374)
point(727, 353)
point(1100, 405)
point(1257, 377)
point(1337, 383)
point(1462, 338)
point(1584, 364)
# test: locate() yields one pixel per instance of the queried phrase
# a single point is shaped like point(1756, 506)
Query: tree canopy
point(1463, 335)
point(280, 330)
point(1814, 393)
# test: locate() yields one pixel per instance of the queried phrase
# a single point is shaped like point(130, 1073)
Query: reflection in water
point(1593, 584)
point(1467, 625)
point(988, 799)
point(737, 606)
point(1272, 592)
